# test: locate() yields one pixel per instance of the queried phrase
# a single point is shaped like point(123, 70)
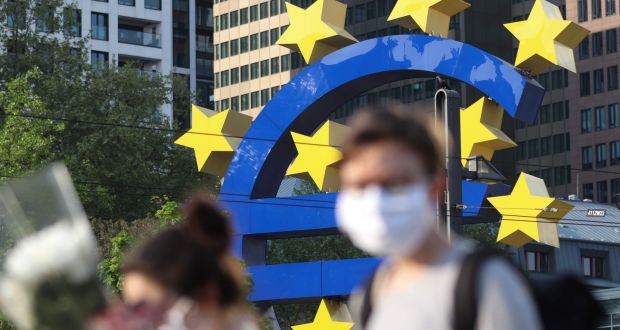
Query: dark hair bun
point(206, 224)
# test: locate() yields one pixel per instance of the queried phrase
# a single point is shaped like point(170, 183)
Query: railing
point(139, 38)
point(152, 4)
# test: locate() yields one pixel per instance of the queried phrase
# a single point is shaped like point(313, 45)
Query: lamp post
point(448, 114)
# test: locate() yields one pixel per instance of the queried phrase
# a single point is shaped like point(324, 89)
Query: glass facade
point(180, 33)
point(204, 53)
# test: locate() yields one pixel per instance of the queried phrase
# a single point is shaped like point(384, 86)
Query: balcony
point(141, 38)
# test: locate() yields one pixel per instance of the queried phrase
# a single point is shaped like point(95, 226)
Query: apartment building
point(161, 36)
point(575, 143)
point(250, 67)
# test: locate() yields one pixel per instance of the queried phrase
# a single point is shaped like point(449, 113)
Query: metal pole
point(448, 107)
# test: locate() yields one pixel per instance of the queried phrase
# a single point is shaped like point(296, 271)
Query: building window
point(596, 9)
point(586, 158)
point(254, 13)
point(543, 79)
point(234, 104)
point(521, 151)
point(264, 68)
point(558, 111)
point(612, 41)
point(567, 138)
point(153, 4)
point(557, 79)
point(285, 62)
point(254, 41)
point(224, 79)
point(274, 91)
point(599, 81)
point(234, 47)
point(532, 148)
point(264, 10)
point(610, 7)
point(559, 175)
point(224, 49)
point(588, 191)
point(264, 39)
point(594, 265)
point(599, 118)
point(601, 155)
point(99, 26)
point(224, 22)
point(614, 115)
point(612, 78)
point(244, 73)
point(597, 44)
point(544, 114)
point(264, 96)
point(72, 22)
point(245, 102)
point(584, 84)
point(559, 143)
point(537, 261)
point(584, 48)
point(601, 192)
point(225, 105)
point(254, 101)
point(234, 18)
point(273, 7)
point(234, 76)
point(98, 58)
point(130, 3)
point(275, 65)
point(243, 16)
point(243, 45)
point(614, 152)
point(582, 10)
point(274, 35)
point(545, 146)
point(254, 71)
point(586, 121)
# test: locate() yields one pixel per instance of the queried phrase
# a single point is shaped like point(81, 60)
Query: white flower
point(66, 248)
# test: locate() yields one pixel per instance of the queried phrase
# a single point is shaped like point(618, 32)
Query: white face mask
point(386, 222)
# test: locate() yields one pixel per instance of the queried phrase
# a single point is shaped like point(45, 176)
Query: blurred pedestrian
point(190, 269)
point(392, 173)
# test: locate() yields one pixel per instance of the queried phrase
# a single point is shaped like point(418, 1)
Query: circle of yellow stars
point(545, 39)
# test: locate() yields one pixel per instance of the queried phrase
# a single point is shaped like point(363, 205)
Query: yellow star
point(324, 321)
point(214, 136)
point(481, 132)
point(432, 16)
point(316, 31)
point(528, 213)
point(545, 39)
point(319, 155)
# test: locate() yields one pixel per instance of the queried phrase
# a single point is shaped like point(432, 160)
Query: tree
point(116, 143)
point(25, 143)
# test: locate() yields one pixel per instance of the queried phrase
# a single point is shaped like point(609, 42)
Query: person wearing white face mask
point(391, 176)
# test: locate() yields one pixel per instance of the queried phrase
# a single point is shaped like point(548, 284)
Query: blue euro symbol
point(260, 163)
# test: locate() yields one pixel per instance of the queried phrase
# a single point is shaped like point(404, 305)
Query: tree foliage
point(104, 122)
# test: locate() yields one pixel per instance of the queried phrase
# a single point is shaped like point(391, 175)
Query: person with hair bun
point(190, 269)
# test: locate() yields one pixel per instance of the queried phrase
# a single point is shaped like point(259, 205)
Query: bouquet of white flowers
point(48, 277)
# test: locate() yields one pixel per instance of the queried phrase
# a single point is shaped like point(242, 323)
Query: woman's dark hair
point(192, 257)
point(413, 130)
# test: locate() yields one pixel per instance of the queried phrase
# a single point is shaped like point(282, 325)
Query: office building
point(250, 67)
point(575, 143)
point(162, 37)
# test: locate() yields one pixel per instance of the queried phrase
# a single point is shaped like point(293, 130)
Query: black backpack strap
point(367, 303)
point(466, 289)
